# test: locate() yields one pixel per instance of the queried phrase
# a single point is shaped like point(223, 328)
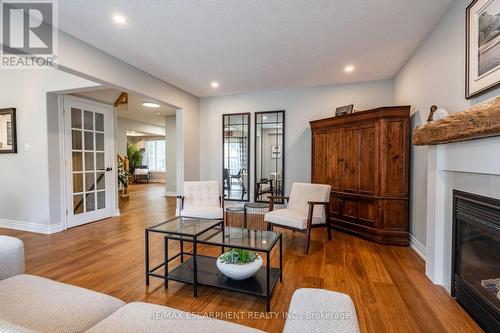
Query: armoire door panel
point(334, 158)
point(319, 158)
point(335, 206)
point(368, 212)
point(395, 214)
point(368, 157)
point(394, 158)
point(350, 181)
point(350, 209)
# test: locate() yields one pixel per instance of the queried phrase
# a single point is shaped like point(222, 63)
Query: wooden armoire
point(365, 157)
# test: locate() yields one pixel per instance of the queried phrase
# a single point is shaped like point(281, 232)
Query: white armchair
point(202, 199)
point(307, 208)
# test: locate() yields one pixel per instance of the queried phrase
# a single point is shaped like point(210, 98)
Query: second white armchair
point(307, 208)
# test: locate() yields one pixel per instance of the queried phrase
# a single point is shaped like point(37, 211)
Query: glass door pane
point(88, 171)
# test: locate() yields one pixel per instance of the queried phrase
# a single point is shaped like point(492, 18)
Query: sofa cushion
point(11, 257)
point(8, 327)
point(204, 212)
point(319, 310)
point(143, 317)
point(48, 306)
point(290, 218)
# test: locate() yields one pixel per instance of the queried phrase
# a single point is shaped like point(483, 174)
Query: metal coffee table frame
point(202, 270)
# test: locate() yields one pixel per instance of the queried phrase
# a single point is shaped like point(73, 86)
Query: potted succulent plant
point(239, 264)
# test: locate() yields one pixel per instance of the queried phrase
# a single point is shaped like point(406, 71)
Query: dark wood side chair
point(307, 208)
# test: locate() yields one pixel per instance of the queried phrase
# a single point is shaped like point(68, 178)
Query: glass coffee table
point(201, 269)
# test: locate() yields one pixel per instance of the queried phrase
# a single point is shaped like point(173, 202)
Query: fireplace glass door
point(477, 255)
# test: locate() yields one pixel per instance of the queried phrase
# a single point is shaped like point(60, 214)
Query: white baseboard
point(31, 227)
point(170, 194)
point(417, 247)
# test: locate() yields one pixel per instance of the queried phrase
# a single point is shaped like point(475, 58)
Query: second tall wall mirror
point(269, 155)
point(236, 156)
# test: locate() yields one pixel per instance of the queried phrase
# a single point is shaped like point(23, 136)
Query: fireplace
point(476, 257)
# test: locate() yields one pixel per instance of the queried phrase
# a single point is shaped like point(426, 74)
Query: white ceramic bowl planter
point(239, 271)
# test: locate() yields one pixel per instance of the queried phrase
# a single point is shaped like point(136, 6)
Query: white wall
point(24, 177)
point(435, 74)
point(301, 105)
point(123, 124)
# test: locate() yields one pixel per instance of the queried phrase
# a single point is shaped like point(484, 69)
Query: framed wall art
point(8, 136)
point(482, 47)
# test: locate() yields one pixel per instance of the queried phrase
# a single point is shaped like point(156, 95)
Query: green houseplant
point(134, 156)
point(122, 173)
point(239, 264)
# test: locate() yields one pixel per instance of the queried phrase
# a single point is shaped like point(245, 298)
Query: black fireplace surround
point(475, 279)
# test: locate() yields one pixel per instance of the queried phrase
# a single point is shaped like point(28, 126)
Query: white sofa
point(34, 304)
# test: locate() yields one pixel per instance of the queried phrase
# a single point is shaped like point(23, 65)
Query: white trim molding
point(32, 227)
point(417, 247)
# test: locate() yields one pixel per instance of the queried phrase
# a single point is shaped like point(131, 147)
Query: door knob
point(108, 169)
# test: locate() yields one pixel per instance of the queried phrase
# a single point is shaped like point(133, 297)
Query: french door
point(89, 150)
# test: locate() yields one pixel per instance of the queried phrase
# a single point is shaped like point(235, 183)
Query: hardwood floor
point(387, 284)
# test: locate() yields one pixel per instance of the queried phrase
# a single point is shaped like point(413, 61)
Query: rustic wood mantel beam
point(479, 121)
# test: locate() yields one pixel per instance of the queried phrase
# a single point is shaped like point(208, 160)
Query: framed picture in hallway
point(482, 47)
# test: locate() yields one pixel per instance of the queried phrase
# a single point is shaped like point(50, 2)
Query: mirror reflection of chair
point(226, 180)
point(264, 189)
point(202, 199)
point(307, 208)
point(244, 184)
point(237, 176)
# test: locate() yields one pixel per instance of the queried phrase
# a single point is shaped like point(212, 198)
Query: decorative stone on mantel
point(479, 121)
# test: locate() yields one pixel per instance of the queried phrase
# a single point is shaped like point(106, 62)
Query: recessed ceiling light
point(158, 113)
point(150, 104)
point(120, 19)
point(349, 69)
point(215, 84)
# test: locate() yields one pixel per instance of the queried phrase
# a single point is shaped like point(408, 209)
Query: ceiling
point(256, 45)
point(134, 110)
point(107, 96)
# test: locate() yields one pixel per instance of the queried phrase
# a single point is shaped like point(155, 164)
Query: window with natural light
point(155, 152)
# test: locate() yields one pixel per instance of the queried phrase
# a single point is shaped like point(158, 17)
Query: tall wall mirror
point(8, 139)
point(236, 156)
point(269, 155)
